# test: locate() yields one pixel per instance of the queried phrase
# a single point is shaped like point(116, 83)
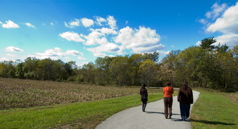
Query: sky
point(83, 30)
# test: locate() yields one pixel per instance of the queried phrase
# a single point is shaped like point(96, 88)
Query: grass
point(215, 110)
point(32, 104)
point(19, 93)
point(85, 115)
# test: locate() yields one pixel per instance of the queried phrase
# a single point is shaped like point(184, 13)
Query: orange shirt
point(168, 91)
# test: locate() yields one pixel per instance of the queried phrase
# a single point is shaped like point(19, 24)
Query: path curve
point(152, 118)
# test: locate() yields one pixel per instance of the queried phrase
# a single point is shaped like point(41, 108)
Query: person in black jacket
point(185, 99)
point(144, 96)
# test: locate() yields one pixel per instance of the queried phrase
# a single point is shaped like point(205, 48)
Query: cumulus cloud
point(229, 39)
point(72, 24)
point(100, 20)
point(73, 52)
point(13, 49)
point(10, 24)
point(139, 40)
point(56, 52)
point(216, 10)
point(111, 22)
point(30, 25)
point(81, 58)
point(94, 38)
point(105, 48)
point(227, 23)
point(87, 22)
point(104, 38)
point(72, 36)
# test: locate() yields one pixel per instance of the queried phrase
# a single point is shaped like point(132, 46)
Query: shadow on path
point(152, 112)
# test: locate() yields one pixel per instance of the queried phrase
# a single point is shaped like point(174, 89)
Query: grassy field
point(18, 93)
point(33, 104)
point(215, 110)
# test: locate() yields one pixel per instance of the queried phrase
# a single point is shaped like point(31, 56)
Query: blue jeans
point(185, 111)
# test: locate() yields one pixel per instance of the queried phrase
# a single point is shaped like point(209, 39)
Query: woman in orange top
point(168, 100)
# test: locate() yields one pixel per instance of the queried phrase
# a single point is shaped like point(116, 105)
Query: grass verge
point(215, 110)
point(85, 115)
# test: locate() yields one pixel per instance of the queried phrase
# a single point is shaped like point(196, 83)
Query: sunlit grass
point(215, 110)
point(85, 115)
point(18, 93)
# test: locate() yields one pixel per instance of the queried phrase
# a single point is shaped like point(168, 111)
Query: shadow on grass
point(211, 122)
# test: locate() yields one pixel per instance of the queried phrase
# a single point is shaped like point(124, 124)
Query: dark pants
point(185, 111)
point(144, 103)
point(168, 101)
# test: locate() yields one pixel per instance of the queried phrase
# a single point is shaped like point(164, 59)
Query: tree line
point(206, 65)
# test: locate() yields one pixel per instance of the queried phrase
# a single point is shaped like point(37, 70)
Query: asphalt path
point(152, 118)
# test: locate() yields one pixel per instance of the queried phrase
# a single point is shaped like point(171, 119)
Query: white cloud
point(10, 24)
point(216, 10)
point(30, 25)
point(227, 23)
point(198, 43)
point(100, 20)
point(73, 52)
point(111, 22)
point(105, 48)
point(72, 36)
point(94, 38)
point(81, 58)
point(87, 22)
point(229, 39)
point(72, 24)
point(203, 21)
point(56, 52)
point(5, 59)
point(13, 49)
point(142, 40)
point(108, 31)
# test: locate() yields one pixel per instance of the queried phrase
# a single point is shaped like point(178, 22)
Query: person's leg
point(144, 105)
point(170, 103)
point(166, 106)
point(182, 111)
point(187, 112)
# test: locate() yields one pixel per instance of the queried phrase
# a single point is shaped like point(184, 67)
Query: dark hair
point(185, 85)
point(168, 83)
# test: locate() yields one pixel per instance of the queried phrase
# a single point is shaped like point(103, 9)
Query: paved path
point(152, 118)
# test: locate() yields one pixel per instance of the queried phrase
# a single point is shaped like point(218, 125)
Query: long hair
point(185, 85)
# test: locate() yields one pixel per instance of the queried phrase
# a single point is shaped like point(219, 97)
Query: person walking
point(168, 100)
point(185, 99)
point(144, 96)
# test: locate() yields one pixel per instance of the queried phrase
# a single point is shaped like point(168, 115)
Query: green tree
point(148, 72)
point(119, 69)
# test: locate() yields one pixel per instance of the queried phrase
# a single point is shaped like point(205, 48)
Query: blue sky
point(82, 30)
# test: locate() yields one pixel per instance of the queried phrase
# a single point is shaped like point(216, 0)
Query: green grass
point(78, 115)
point(215, 110)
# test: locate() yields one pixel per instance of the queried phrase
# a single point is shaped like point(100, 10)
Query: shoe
point(170, 116)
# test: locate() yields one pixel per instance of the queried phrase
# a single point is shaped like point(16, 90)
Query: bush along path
point(152, 118)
